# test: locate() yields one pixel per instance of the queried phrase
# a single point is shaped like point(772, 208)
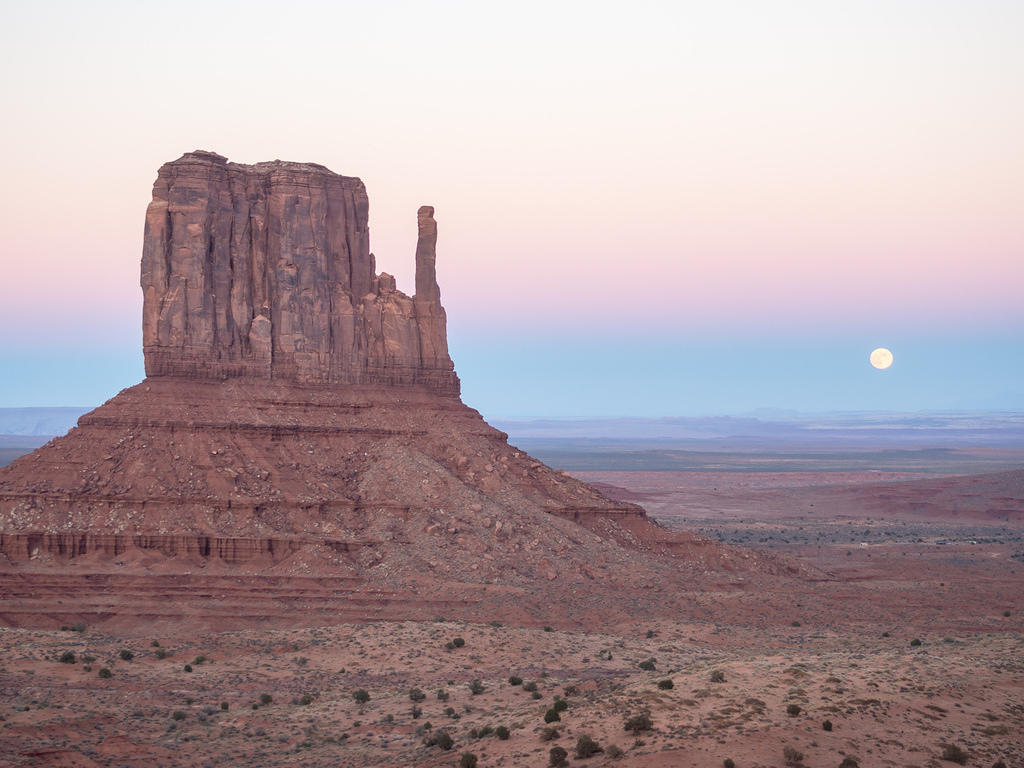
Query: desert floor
point(912, 649)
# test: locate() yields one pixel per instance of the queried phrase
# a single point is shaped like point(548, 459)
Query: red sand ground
point(835, 641)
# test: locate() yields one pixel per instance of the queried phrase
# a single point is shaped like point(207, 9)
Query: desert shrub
point(586, 746)
point(998, 764)
point(127, 655)
point(718, 676)
point(105, 673)
point(647, 665)
point(415, 712)
point(266, 698)
point(458, 642)
point(1006, 614)
point(515, 680)
point(224, 706)
point(306, 700)
point(441, 739)
point(827, 725)
point(178, 715)
point(614, 751)
point(536, 695)
point(666, 685)
point(155, 644)
point(417, 695)
point(160, 653)
point(560, 705)
point(557, 757)
point(360, 697)
point(468, 760)
point(188, 667)
point(793, 710)
point(502, 732)
point(849, 762)
point(199, 660)
point(915, 642)
point(548, 629)
point(728, 763)
point(78, 626)
point(475, 687)
point(552, 716)
point(570, 690)
point(796, 623)
point(953, 754)
point(68, 657)
point(792, 755)
point(442, 694)
point(549, 734)
point(530, 686)
point(639, 722)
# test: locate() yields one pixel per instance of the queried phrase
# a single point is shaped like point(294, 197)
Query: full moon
point(881, 358)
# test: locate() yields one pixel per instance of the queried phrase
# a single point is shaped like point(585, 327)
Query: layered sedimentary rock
point(300, 424)
point(265, 271)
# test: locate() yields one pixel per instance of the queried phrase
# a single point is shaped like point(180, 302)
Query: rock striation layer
point(265, 271)
point(300, 426)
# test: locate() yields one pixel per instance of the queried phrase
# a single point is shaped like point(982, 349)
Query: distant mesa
point(301, 424)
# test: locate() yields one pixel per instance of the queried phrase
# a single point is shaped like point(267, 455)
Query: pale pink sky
point(650, 167)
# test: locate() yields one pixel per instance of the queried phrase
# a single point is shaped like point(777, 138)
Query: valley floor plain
point(906, 650)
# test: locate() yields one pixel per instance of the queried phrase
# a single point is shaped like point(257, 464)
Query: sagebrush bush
point(639, 722)
point(557, 757)
point(441, 739)
point(792, 755)
point(586, 746)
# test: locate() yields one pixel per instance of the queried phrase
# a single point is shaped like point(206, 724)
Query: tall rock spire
point(426, 256)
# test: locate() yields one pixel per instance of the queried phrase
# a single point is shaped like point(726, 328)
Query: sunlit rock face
point(265, 271)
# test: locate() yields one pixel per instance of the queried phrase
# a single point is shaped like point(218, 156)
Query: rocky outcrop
point(301, 426)
point(265, 271)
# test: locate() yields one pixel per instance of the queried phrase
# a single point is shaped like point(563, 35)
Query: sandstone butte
point(298, 452)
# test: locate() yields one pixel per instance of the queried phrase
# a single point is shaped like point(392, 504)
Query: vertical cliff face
point(265, 271)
